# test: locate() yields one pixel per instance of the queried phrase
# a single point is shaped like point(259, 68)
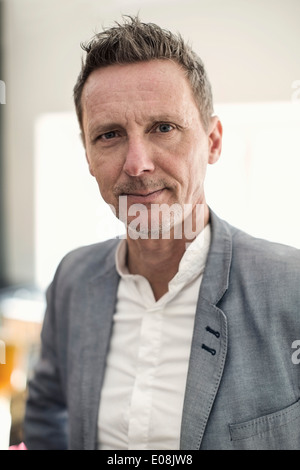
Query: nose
point(138, 158)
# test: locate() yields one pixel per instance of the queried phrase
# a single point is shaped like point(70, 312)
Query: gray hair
point(134, 41)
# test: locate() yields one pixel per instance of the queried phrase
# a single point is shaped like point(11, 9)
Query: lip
point(143, 196)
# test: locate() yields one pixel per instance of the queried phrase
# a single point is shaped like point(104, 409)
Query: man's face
point(143, 135)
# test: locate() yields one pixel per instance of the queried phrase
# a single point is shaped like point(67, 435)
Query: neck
point(158, 259)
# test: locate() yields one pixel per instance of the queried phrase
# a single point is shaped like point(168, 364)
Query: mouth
point(143, 196)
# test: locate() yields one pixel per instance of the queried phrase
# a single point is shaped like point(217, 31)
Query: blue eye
point(164, 128)
point(108, 135)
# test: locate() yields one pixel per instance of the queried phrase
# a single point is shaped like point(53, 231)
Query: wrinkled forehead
point(160, 83)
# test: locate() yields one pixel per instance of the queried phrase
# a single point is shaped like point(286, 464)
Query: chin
point(156, 224)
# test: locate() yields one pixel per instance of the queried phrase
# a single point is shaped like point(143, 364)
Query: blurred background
point(49, 204)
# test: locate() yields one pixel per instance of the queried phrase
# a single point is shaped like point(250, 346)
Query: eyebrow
point(102, 128)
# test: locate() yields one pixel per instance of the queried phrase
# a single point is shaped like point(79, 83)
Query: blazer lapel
point(102, 292)
point(209, 343)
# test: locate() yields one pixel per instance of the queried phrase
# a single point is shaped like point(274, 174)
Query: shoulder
point(263, 276)
point(88, 261)
point(248, 251)
point(264, 259)
point(262, 249)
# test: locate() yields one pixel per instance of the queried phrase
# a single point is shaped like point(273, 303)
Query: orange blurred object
point(7, 369)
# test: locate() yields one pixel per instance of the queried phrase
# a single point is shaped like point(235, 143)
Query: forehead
point(155, 84)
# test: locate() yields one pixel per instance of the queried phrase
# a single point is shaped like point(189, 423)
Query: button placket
point(147, 359)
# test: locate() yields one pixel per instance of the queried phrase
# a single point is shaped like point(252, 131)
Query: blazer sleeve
point(46, 418)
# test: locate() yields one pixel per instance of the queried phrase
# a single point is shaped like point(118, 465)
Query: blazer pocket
point(273, 426)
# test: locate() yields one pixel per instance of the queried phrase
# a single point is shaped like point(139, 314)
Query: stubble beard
point(156, 221)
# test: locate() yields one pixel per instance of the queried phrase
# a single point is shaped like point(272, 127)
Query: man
point(179, 336)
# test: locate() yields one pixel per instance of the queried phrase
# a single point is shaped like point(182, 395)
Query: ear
point(215, 133)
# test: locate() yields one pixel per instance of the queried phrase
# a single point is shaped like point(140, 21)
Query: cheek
point(192, 161)
point(104, 169)
point(199, 158)
point(106, 176)
point(194, 170)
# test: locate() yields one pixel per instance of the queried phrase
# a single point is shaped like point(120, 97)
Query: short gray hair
point(134, 41)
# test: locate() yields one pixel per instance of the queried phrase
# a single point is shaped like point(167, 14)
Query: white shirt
point(144, 384)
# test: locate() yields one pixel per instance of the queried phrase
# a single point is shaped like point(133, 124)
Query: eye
point(164, 128)
point(108, 135)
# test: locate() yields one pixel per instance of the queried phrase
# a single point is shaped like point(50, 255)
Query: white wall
point(251, 50)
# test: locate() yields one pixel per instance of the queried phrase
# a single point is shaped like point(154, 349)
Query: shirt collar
point(191, 265)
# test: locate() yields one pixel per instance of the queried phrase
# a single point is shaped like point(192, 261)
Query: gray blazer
point(243, 389)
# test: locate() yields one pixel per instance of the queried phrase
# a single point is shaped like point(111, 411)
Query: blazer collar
point(216, 276)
